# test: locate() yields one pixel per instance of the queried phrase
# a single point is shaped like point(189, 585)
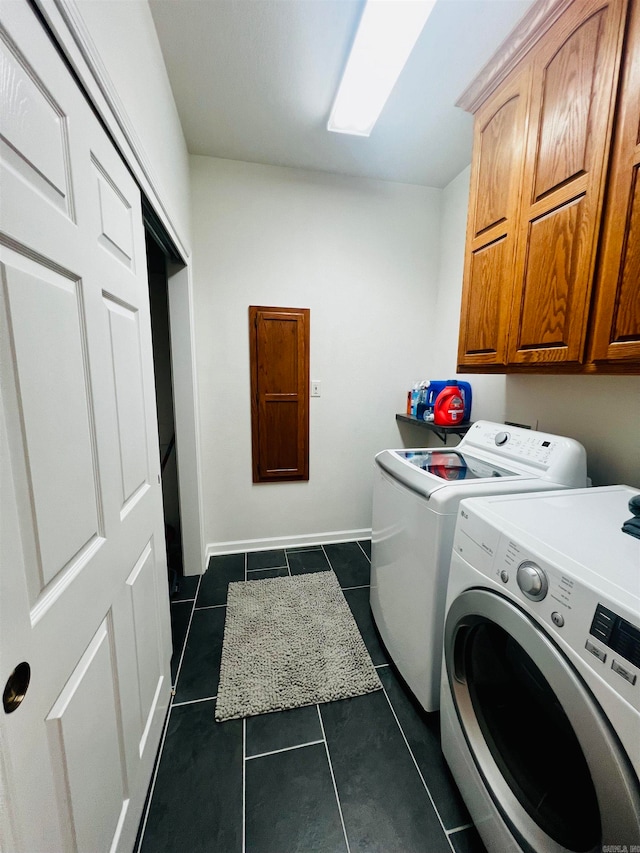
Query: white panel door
point(83, 586)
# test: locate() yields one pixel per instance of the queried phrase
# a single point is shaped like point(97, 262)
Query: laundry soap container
point(449, 406)
point(436, 387)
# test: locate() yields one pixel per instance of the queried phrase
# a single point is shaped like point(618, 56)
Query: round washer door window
point(550, 760)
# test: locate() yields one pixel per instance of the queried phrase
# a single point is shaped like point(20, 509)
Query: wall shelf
point(441, 431)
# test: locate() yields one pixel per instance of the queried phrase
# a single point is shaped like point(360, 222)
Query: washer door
point(550, 761)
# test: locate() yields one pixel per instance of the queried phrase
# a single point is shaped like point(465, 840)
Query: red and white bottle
point(449, 406)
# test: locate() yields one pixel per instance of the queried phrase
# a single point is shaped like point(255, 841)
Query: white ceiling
point(255, 80)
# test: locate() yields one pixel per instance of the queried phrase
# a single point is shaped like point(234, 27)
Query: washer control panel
point(551, 457)
point(518, 443)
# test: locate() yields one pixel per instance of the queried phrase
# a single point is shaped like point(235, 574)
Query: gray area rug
point(290, 642)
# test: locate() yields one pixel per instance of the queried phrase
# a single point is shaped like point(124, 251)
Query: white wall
point(124, 35)
point(602, 412)
point(363, 256)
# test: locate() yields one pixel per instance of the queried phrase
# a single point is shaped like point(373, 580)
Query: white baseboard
point(310, 540)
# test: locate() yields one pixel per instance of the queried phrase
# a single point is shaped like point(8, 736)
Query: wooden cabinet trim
point(533, 26)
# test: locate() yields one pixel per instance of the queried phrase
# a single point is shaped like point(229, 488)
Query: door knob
point(16, 687)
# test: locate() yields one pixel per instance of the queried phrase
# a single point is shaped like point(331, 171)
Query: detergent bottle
point(449, 406)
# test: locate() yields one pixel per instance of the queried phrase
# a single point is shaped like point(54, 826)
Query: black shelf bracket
point(441, 431)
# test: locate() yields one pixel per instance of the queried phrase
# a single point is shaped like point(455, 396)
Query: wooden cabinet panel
point(546, 311)
point(499, 137)
point(278, 438)
point(498, 146)
point(487, 310)
point(566, 115)
point(279, 350)
point(626, 322)
point(617, 317)
point(571, 115)
point(277, 337)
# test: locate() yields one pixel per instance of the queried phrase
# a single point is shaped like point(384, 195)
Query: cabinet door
point(575, 70)
point(617, 318)
point(496, 177)
point(279, 341)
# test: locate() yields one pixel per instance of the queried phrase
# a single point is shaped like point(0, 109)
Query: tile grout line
point(380, 665)
point(152, 786)
point(209, 606)
point(266, 569)
point(246, 567)
point(284, 749)
point(166, 723)
point(346, 588)
point(286, 557)
point(186, 638)
point(244, 784)
point(302, 550)
point(459, 828)
point(195, 701)
point(364, 552)
point(333, 778)
point(326, 556)
point(413, 758)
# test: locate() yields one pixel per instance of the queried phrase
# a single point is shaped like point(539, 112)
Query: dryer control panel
point(604, 640)
point(620, 636)
point(571, 610)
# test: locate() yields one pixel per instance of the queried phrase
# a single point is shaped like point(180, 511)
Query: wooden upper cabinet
point(546, 109)
point(499, 136)
point(571, 115)
point(279, 358)
point(616, 334)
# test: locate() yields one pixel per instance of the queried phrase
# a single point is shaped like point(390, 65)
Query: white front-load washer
point(415, 501)
point(540, 711)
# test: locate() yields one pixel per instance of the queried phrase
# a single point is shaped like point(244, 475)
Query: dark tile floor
point(361, 774)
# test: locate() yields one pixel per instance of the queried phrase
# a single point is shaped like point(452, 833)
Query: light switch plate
point(315, 387)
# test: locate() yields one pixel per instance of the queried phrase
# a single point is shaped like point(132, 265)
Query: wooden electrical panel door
point(575, 71)
point(279, 347)
point(499, 137)
point(617, 318)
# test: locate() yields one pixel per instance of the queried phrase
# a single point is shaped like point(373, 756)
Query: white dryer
point(415, 502)
point(540, 713)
